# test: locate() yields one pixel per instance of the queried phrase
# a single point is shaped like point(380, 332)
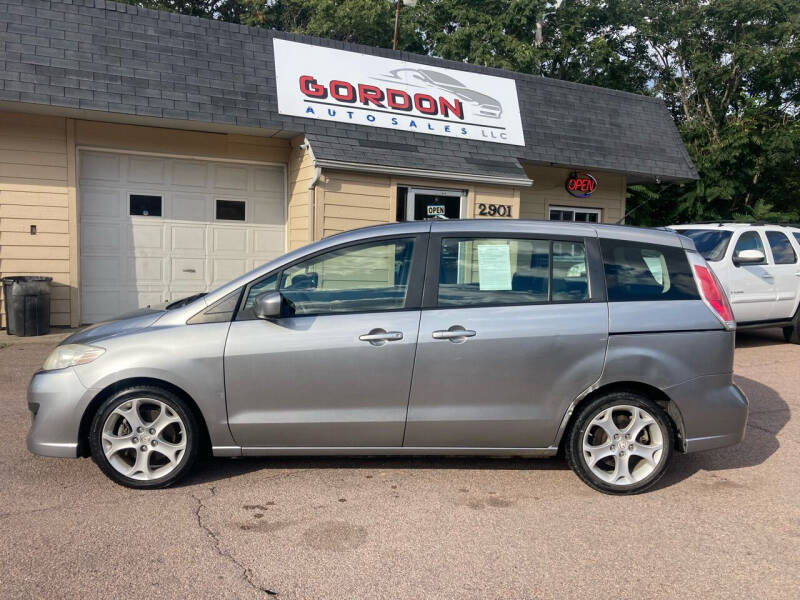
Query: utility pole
point(396, 24)
point(538, 37)
point(397, 18)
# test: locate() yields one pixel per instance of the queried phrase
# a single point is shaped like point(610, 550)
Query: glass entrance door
point(431, 203)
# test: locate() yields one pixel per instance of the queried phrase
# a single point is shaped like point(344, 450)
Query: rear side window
point(782, 251)
point(636, 272)
point(492, 271)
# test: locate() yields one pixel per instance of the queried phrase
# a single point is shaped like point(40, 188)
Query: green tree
point(225, 10)
point(585, 41)
point(368, 22)
point(729, 70)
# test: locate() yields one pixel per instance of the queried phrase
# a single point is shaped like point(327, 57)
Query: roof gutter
point(411, 172)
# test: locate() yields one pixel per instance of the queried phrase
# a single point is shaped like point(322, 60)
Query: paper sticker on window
point(494, 267)
point(654, 264)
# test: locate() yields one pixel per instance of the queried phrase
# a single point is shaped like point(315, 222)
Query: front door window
point(364, 278)
point(424, 204)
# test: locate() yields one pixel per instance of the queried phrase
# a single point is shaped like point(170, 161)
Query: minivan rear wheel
point(620, 443)
point(144, 437)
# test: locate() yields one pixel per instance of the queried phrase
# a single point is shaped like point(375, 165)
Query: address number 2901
point(494, 210)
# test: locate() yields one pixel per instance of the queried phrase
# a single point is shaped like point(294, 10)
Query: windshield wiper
point(185, 301)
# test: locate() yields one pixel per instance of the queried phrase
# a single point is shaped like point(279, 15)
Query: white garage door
point(158, 229)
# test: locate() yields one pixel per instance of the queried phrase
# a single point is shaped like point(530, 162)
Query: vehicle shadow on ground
point(215, 469)
point(769, 413)
point(757, 338)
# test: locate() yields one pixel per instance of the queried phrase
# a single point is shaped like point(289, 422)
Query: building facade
point(146, 156)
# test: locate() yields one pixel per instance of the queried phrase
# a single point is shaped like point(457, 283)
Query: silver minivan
point(485, 337)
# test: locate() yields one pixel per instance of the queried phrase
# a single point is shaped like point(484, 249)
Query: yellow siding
point(548, 190)
point(353, 200)
point(498, 195)
point(476, 193)
point(175, 141)
point(300, 175)
point(34, 191)
point(38, 187)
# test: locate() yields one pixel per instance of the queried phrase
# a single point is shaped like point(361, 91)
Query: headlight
point(70, 355)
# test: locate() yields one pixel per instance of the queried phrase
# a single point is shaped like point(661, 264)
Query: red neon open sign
point(581, 185)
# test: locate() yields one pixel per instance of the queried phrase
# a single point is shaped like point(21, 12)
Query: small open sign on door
point(435, 209)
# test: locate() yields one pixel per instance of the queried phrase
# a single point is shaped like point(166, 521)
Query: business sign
point(580, 185)
point(347, 87)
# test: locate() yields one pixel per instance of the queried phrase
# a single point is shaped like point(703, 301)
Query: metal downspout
point(312, 198)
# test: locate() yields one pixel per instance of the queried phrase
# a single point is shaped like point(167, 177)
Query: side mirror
point(749, 257)
point(268, 305)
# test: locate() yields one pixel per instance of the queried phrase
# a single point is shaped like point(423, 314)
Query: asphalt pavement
point(721, 524)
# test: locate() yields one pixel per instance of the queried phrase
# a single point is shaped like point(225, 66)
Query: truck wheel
point(792, 333)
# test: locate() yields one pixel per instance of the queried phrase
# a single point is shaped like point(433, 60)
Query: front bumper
point(57, 400)
point(713, 410)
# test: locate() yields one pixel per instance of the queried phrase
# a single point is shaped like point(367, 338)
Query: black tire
point(177, 405)
point(791, 334)
point(578, 461)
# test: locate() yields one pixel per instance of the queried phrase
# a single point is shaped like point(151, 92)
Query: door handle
point(767, 276)
point(456, 334)
point(378, 337)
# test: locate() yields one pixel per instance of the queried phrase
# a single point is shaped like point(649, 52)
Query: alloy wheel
point(623, 445)
point(144, 439)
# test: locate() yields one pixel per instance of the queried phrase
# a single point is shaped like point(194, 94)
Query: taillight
point(713, 294)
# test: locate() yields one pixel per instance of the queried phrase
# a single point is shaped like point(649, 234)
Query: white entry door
point(158, 229)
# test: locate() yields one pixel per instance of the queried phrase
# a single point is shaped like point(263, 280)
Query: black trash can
point(27, 300)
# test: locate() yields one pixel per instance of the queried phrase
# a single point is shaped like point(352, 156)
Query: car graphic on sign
point(486, 106)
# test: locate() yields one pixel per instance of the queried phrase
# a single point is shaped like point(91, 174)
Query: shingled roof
point(95, 56)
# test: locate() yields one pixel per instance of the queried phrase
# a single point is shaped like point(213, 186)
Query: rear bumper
point(713, 410)
point(56, 400)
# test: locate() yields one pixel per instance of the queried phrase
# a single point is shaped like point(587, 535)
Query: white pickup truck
point(759, 266)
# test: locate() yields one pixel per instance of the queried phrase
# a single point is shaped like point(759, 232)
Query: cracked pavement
point(721, 524)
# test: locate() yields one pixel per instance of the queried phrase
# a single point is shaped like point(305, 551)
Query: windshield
point(711, 243)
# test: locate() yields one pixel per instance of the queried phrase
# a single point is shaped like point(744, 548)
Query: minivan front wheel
point(620, 443)
point(144, 437)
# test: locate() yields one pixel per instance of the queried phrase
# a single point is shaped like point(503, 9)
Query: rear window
point(636, 272)
point(782, 251)
point(711, 243)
